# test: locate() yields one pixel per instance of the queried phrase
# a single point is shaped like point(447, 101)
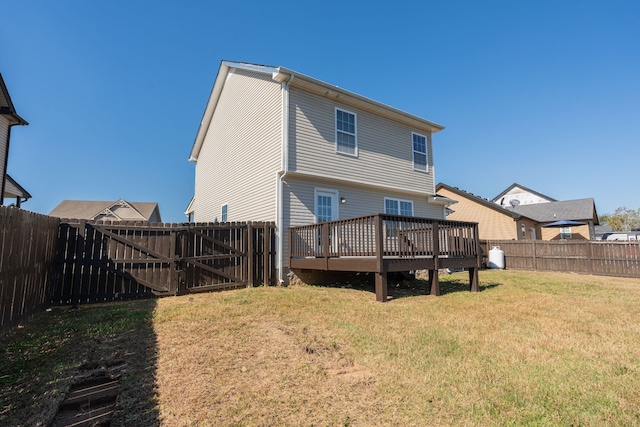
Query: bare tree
point(622, 219)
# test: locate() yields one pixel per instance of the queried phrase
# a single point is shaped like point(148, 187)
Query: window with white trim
point(398, 207)
point(420, 159)
point(346, 139)
point(224, 213)
point(565, 233)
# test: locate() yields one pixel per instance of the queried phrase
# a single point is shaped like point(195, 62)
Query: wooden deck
point(387, 243)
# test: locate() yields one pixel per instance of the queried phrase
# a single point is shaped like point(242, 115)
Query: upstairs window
point(346, 141)
point(224, 213)
point(420, 152)
point(565, 233)
point(398, 207)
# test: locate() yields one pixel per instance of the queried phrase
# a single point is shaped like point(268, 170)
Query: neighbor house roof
point(284, 75)
point(118, 210)
point(514, 185)
point(480, 200)
point(580, 209)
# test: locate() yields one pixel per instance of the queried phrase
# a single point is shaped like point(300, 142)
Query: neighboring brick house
point(522, 221)
point(9, 188)
point(277, 145)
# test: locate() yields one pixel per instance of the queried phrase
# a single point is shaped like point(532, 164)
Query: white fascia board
point(216, 90)
point(439, 200)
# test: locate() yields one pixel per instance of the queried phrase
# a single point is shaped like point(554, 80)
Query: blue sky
point(542, 93)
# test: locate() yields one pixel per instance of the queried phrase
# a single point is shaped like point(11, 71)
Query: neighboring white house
point(517, 195)
point(277, 145)
point(9, 188)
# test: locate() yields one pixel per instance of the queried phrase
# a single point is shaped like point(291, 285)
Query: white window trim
point(426, 153)
point(222, 219)
point(398, 200)
point(355, 134)
point(317, 190)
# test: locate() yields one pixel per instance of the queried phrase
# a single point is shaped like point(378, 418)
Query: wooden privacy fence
point(103, 261)
point(580, 256)
point(27, 268)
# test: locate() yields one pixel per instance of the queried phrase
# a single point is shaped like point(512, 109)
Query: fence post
point(174, 234)
point(266, 241)
point(77, 271)
point(250, 254)
point(535, 260)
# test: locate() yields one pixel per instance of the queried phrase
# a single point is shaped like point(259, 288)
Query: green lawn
point(529, 349)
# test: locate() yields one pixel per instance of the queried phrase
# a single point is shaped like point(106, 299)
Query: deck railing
point(384, 243)
point(385, 236)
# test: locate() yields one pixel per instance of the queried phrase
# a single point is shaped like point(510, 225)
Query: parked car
point(625, 236)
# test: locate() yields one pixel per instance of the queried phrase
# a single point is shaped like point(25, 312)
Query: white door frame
point(333, 194)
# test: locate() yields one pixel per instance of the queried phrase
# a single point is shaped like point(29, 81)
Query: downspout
point(6, 163)
point(284, 169)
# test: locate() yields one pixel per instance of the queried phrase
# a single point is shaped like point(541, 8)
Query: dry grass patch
point(530, 349)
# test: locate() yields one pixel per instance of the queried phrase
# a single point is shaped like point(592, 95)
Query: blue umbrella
point(563, 223)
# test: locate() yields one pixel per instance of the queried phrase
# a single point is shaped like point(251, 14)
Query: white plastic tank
point(496, 258)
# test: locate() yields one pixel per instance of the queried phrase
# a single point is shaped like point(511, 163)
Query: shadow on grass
point(41, 360)
point(399, 288)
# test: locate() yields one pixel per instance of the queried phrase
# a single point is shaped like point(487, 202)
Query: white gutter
point(284, 169)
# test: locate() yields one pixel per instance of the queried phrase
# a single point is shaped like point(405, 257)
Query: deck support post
point(434, 281)
point(433, 274)
point(473, 279)
point(381, 274)
point(381, 286)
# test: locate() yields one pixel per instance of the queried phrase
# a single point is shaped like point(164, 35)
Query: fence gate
point(103, 261)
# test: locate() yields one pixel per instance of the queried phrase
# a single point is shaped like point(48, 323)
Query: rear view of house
point(277, 145)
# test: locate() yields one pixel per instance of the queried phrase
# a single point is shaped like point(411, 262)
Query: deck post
point(381, 286)
point(381, 274)
point(473, 279)
point(433, 274)
point(325, 244)
point(434, 281)
point(473, 272)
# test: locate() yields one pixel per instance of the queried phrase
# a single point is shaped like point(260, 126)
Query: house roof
point(477, 199)
point(514, 185)
point(285, 75)
point(13, 189)
point(6, 106)
point(118, 210)
point(578, 210)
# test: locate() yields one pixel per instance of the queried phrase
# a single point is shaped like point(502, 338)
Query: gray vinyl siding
point(240, 156)
point(385, 151)
point(298, 199)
